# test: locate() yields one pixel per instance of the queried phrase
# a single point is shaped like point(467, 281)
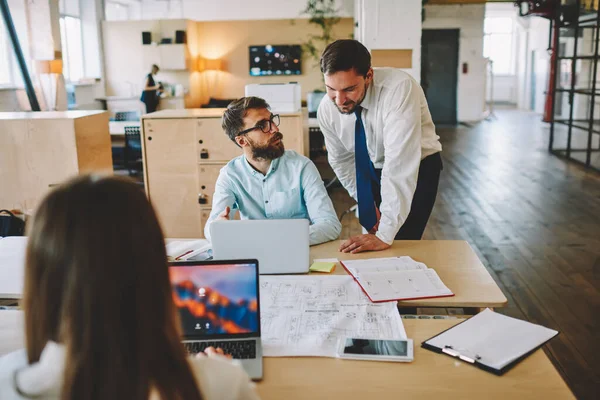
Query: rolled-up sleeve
point(224, 197)
point(324, 224)
point(402, 143)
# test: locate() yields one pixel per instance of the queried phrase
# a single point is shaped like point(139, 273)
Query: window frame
point(65, 47)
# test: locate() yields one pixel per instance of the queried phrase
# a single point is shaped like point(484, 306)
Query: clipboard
point(473, 357)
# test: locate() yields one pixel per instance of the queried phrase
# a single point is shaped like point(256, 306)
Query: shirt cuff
point(385, 235)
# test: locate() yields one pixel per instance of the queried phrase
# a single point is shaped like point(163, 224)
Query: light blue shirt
point(291, 189)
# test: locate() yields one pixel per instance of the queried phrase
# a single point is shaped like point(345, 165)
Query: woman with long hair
point(100, 322)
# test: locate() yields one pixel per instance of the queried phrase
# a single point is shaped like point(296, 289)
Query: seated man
point(268, 182)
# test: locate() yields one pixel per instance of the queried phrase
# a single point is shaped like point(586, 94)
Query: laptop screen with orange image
point(217, 298)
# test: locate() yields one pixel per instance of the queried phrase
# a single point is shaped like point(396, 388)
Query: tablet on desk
point(398, 350)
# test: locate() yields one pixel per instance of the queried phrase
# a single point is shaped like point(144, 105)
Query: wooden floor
point(534, 221)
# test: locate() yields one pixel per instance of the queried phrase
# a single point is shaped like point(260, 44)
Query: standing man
point(381, 143)
point(267, 181)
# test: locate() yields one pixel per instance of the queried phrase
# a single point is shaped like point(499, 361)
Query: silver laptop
point(280, 245)
point(218, 303)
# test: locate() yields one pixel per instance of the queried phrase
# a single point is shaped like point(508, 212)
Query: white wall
point(124, 61)
point(469, 19)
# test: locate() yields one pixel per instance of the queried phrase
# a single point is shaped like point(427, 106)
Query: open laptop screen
point(217, 297)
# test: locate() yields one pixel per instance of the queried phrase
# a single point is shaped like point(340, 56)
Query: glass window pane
point(71, 7)
point(65, 52)
point(499, 49)
point(116, 11)
point(74, 48)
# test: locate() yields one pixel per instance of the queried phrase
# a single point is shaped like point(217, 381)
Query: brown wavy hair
point(96, 281)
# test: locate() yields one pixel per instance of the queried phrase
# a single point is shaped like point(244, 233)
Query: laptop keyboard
point(238, 349)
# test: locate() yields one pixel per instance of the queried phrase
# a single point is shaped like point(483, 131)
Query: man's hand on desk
point(360, 243)
point(224, 216)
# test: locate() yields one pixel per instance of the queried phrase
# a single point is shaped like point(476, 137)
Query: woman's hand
point(211, 352)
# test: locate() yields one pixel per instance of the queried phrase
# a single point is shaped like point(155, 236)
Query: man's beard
point(351, 103)
point(270, 151)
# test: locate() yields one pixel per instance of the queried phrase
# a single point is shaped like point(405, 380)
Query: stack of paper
point(396, 278)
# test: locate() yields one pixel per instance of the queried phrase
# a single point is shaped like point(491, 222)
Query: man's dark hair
point(344, 55)
point(233, 117)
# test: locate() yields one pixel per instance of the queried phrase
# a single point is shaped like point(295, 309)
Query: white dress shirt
point(399, 132)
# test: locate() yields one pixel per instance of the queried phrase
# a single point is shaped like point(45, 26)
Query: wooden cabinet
point(43, 149)
point(213, 143)
point(184, 151)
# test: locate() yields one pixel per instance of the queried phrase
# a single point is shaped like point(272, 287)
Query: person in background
point(152, 89)
point(381, 143)
point(100, 321)
point(267, 181)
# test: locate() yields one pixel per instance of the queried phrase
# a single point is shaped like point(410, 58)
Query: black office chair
point(127, 116)
point(133, 150)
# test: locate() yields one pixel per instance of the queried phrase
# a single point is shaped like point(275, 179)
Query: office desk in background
point(429, 376)
point(454, 261)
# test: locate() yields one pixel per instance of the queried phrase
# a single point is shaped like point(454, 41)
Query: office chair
point(127, 116)
point(133, 150)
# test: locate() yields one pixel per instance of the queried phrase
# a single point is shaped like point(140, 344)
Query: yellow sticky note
point(322, 267)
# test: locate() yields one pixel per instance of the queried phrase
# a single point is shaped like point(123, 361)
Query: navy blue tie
point(365, 175)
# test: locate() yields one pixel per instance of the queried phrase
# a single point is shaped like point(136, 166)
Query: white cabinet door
point(150, 55)
point(389, 24)
point(172, 56)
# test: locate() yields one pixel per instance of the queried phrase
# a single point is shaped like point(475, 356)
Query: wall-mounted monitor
point(275, 60)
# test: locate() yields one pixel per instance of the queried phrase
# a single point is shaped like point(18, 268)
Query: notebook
point(182, 250)
point(396, 278)
point(491, 341)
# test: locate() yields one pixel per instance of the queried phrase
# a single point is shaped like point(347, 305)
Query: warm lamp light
point(49, 67)
point(205, 64)
point(56, 67)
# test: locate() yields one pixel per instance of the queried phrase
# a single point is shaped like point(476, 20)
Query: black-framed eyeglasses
point(265, 125)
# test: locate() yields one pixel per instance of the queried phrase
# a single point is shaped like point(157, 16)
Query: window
point(497, 43)
point(70, 36)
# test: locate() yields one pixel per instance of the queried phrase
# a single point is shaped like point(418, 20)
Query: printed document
point(307, 315)
point(396, 278)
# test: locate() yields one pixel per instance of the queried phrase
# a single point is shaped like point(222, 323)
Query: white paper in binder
point(491, 341)
point(282, 97)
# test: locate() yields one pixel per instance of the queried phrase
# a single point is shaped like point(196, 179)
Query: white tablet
point(399, 350)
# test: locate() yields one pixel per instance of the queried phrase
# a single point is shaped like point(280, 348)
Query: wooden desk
point(429, 376)
point(454, 260)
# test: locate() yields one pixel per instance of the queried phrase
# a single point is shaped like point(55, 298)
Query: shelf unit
point(576, 82)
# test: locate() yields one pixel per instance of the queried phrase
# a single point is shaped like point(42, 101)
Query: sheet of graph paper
point(308, 315)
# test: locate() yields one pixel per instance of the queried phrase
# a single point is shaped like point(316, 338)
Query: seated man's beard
point(270, 151)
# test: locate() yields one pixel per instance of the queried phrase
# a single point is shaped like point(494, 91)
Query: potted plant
point(323, 14)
